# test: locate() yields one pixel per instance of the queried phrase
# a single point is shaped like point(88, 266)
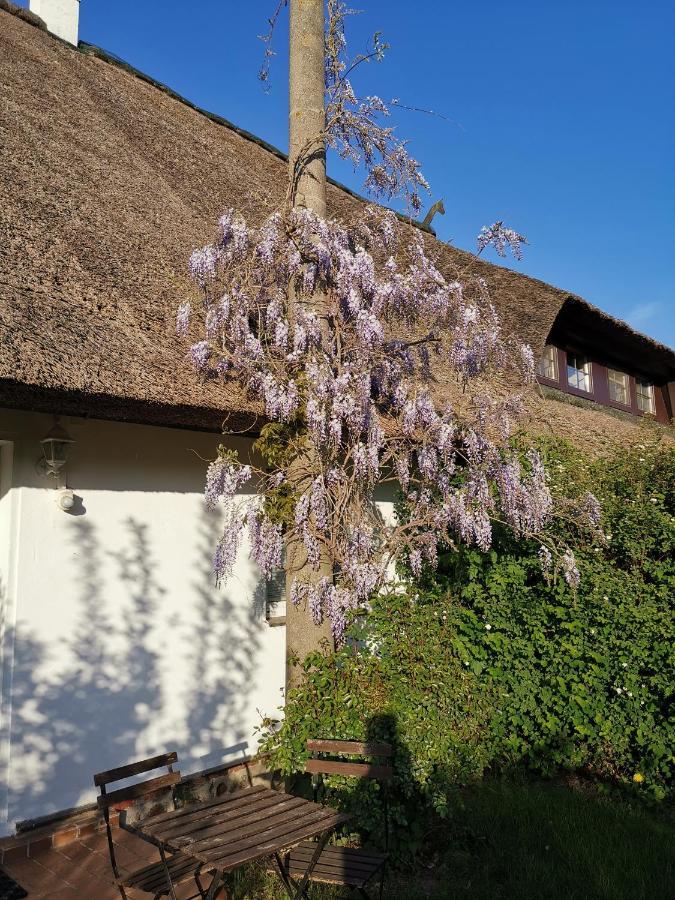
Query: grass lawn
point(530, 841)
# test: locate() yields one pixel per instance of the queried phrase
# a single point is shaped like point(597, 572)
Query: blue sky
point(563, 119)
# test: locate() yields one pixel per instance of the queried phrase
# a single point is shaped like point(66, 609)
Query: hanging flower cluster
point(500, 237)
point(341, 330)
point(374, 366)
point(355, 126)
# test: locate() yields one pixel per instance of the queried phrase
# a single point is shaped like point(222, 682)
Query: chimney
point(60, 16)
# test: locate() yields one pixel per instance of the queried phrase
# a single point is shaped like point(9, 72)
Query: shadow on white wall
point(110, 702)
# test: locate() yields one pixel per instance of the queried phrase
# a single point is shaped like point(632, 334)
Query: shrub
point(411, 692)
point(487, 664)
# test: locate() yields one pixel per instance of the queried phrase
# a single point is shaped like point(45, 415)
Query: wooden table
point(249, 824)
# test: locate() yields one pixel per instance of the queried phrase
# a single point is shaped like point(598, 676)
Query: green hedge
point(487, 665)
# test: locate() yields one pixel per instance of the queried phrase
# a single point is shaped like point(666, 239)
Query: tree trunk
point(307, 174)
point(307, 115)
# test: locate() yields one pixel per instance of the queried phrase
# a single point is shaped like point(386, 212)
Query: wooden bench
point(158, 878)
point(352, 867)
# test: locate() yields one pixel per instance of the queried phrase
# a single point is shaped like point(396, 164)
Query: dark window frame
point(600, 384)
point(577, 391)
point(626, 375)
point(556, 359)
point(651, 384)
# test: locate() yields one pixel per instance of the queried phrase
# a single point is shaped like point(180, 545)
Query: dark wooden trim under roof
point(592, 331)
point(36, 398)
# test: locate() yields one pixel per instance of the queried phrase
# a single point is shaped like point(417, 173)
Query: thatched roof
point(107, 181)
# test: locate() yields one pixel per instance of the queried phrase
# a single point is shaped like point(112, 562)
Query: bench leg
point(288, 882)
point(200, 887)
point(167, 873)
point(298, 891)
point(382, 877)
point(217, 885)
point(321, 843)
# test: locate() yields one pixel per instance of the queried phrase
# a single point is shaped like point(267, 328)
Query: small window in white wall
point(579, 372)
point(275, 598)
point(645, 395)
point(618, 387)
point(548, 364)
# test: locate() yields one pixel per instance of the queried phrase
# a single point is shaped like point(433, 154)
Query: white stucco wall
point(116, 643)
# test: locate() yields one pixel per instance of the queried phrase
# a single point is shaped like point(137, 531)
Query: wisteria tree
point(341, 328)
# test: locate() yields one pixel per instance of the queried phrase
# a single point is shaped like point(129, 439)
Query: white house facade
point(116, 643)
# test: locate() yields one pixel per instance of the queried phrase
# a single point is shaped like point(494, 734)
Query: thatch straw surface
point(107, 181)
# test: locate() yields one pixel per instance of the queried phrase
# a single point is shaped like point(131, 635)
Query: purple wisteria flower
point(266, 542)
point(545, 558)
point(183, 318)
point(591, 509)
point(202, 264)
point(570, 571)
point(227, 548)
point(200, 354)
point(351, 338)
point(223, 479)
point(501, 237)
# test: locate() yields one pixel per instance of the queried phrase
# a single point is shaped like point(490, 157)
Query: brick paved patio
point(71, 859)
point(80, 868)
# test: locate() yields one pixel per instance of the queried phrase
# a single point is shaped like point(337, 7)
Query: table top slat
point(287, 840)
point(225, 832)
point(263, 833)
point(239, 807)
point(221, 831)
point(176, 814)
point(266, 841)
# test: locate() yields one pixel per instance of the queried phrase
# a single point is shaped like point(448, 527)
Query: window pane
point(579, 373)
point(618, 386)
point(548, 364)
point(645, 395)
point(275, 591)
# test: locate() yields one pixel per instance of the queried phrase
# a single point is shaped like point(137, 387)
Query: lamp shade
point(55, 446)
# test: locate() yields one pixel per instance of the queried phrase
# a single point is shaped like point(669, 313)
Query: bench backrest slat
point(318, 765)
point(143, 765)
point(126, 795)
point(354, 770)
point(350, 748)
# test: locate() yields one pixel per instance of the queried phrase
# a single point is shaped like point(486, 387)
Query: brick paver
point(79, 870)
point(33, 877)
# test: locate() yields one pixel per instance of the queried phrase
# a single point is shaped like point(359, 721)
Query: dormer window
point(618, 387)
point(579, 373)
point(548, 364)
point(645, 395)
